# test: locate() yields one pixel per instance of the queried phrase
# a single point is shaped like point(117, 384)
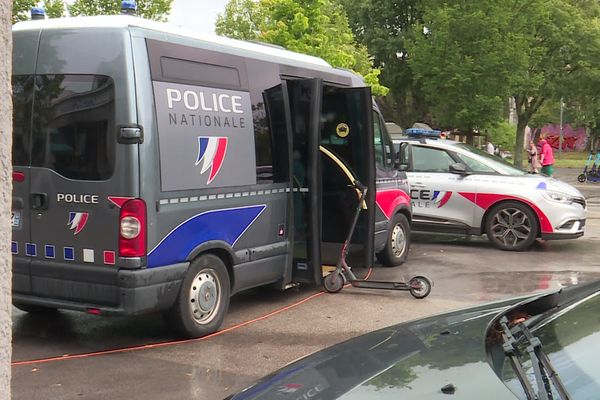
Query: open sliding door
point(332, 145)
point(305, 110)
point(347, 154)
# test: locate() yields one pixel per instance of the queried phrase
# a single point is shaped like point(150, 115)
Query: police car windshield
point(498, 163)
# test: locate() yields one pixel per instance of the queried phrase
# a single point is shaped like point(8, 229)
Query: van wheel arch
point(203, 298)
point(219, 249)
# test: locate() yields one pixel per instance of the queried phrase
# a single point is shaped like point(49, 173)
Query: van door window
point(268, 117)
point(22, 97)
point(73, 129)
point(379, 142)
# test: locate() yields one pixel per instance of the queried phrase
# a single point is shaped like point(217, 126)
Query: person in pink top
point(546, 156)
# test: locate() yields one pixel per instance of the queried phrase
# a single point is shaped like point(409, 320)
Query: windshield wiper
point(544, 373)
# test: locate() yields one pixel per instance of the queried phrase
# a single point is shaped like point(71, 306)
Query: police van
point(158, 170)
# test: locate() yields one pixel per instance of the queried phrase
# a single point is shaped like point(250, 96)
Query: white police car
point(456, 188)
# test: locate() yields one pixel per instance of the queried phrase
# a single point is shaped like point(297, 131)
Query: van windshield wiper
point(545, 375)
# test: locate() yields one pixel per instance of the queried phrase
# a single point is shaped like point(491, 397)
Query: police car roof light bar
point(419, 132)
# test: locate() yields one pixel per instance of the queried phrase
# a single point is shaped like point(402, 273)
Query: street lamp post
point(560, 137)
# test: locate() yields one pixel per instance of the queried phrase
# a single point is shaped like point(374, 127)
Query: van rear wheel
point(397, 245)
point(203, 298)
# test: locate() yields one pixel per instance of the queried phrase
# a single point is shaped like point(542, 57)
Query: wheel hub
point(398, 240)
point(204, 296)
point(511, 226)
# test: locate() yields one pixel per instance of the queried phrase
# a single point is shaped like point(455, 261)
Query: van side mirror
point(400, 157)
point(459, 168)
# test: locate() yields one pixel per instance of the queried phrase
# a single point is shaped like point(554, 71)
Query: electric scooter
point(419, 286)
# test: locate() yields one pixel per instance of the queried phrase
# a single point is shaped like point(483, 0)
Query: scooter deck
point(380, 285)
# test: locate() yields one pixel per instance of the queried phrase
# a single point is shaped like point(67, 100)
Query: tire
point(35, 309)
point(203, 299)
point(397, 243)
point(420, 287)
point(512, 226)
point(581, 178)
point(334, 282)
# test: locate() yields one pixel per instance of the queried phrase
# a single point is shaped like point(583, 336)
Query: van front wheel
point(203, 298)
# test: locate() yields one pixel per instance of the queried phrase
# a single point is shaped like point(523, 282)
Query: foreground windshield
point(498, 163)
point(570, 339)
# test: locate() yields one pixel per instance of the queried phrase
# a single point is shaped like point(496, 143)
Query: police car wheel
point(397, 245)
point(512, 226)
point(34, 309)
point(203, 298)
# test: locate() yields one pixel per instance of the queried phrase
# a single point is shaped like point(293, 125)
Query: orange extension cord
point(174, 342)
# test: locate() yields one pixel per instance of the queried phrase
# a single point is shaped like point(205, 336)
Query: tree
point(21, 9)
point(315, 27)
point(5, 194)
point(150, 9)
point(54, 8)
point(471, 55)
point(561, 41)
point(547, 114)
point(384, 27)
point(463, 56)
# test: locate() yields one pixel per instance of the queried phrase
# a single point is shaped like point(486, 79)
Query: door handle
point(417, 185)
point(39, 201)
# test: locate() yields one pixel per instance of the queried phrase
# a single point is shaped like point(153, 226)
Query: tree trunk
point(5, 193)
point(470, 137)
point(535, 135)
point(521, 125)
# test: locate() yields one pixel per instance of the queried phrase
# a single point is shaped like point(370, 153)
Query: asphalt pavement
point(68, 355)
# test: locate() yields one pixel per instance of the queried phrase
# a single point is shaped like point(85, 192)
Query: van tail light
point(132, 229)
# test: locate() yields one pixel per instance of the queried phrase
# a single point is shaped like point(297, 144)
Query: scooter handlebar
point(360, 186)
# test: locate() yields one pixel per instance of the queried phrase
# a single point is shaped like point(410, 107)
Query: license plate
point(15, 218)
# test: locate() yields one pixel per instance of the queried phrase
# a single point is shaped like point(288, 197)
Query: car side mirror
point(459, 168)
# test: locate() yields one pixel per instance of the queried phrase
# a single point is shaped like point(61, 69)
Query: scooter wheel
point(420, 287)
point(582, 178)
point(334, 282)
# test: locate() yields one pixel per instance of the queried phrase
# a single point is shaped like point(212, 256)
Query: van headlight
point(558, 197)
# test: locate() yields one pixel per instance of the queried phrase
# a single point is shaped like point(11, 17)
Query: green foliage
point(150, 9)
point(502, 134)
point(21, 9)
point(470, 56)
point(384, 27)
point(315, 27)
point(562, 44)
point(54, 8)
point(463, 56)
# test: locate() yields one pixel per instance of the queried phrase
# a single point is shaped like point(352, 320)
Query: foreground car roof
point(425, 359)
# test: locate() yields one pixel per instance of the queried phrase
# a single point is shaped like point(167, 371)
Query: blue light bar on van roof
point(419, 132)
point(128, 7)
point(38, 13)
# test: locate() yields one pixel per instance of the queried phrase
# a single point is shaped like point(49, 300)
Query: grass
point(571, 159)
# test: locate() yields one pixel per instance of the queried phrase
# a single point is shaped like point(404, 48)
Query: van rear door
point(80, 175)
point(24, 56)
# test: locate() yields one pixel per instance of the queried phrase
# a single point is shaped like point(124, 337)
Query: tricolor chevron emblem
point(77, 221)
point(440, 198)
point(211, 153)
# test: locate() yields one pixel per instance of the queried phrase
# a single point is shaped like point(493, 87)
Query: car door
point(437, 195)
